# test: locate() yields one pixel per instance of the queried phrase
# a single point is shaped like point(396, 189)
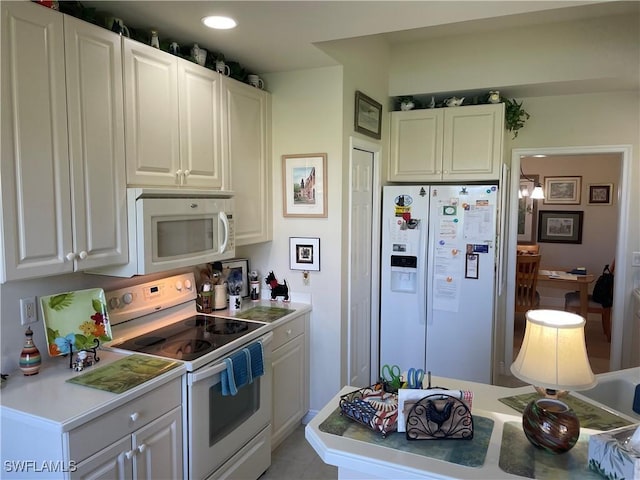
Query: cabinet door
point(289, 380)
point(110, 463)
point(36, 204)
point(158, 448)
point(416, 146)
point(246, 143)
point(151, 115)
point(199, 103)
point(473, 142)
point(93, 58)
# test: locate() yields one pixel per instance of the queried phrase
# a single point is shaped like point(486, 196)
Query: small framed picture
point(600, 193)
point(562, 190)
point(556, 226)
point(304, 178)
point(368, 116)
point(240, 266)
point(304, 253)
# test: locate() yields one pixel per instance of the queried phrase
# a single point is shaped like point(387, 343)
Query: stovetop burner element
point(190, 338)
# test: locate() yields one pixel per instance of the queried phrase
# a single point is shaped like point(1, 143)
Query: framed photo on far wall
point(304, 253)
point(562, 190)
point(304, 180)
point(368, 116)
point(600, 193)
point(557, 226)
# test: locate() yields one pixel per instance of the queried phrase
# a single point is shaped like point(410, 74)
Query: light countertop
point(357, 459)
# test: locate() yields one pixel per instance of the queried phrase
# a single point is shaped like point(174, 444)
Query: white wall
point(306, 118)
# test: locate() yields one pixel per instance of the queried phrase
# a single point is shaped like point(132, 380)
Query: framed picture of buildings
point(304, 180)
point(555, 226)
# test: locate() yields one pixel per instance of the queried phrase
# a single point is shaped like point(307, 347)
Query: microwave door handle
point(223, 219)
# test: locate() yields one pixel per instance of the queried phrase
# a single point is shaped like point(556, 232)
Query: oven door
point(219, 426)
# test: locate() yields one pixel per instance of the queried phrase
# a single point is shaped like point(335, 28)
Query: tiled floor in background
point(295, 459)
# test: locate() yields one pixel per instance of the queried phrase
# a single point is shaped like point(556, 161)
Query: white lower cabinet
point(290, 369)
point(153, 452)
point(141, 439)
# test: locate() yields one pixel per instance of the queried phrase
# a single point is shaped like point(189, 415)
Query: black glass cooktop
point(190, 338)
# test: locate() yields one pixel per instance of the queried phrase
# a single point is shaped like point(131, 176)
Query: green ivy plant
point(514, 116)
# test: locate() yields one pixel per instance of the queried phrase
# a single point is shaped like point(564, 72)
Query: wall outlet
point(28, 310)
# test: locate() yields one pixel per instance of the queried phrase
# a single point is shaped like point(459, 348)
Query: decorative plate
point(73, 321)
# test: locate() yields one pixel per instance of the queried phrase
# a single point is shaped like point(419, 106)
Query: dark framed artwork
point(304, 253)
point(560, 226)
point(600, 193)
point(368, 116)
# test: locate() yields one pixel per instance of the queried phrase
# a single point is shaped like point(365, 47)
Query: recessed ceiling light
point(219, 23)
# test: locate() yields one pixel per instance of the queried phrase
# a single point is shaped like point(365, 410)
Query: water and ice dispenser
point(404, 273)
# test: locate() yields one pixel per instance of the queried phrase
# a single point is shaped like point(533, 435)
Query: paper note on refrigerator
point(446, 293)
point(478, 223)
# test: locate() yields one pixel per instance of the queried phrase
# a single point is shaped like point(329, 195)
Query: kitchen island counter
point(359, 459)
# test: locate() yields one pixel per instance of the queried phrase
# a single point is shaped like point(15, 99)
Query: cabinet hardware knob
point(71, 256)
point(129, 454)
point(187, 173)
point(289, 333)
point(83, 255)
point(178, 173)
point(142, 448)
point(134, 416)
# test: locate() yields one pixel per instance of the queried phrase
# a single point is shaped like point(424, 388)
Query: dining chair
point(572, 304)
point(527, 296)
point(528, 249)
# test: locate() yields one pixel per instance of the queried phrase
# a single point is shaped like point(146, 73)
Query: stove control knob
point(178, 285)
point(127, 298)
point(114, 302)
point(187, 284)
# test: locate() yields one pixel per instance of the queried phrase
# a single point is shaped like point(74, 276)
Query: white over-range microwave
point(170, 229)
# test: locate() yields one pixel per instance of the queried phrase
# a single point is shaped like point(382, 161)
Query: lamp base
point(550, 424)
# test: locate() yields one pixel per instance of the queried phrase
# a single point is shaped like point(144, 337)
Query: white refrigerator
point(438, 279)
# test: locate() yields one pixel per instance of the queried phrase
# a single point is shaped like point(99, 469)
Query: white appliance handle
point(219, 367)
point(223, 218)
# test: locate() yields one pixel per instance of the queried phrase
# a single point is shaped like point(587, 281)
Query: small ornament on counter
point(254, 286)
point(30, 359)
point(155, 41)
point(277, 289)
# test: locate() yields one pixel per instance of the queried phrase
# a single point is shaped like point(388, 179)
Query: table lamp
point(553, 358)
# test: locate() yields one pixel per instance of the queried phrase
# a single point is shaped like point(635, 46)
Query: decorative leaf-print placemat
point(589, 415)
point(470, 453)
point(264, 314)
point(74, 320)
point(124, 374)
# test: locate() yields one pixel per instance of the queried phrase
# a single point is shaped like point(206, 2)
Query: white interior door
point(360, 267)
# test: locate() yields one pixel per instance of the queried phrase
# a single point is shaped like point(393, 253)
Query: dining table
point(561, 278)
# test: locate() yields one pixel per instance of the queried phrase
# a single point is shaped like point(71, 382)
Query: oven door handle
point(219, 367)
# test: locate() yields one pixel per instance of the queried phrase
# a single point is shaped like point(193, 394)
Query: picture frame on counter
point(562, 190)
point(600, 193)
point(241, 264)
point(560, 226)
point(368, 116)
point(304, 253)
point(304, 180)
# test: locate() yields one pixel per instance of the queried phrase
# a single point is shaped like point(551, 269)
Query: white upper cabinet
point(62, 188)
point(172, 111)
point(247, 145)
point(447, 144)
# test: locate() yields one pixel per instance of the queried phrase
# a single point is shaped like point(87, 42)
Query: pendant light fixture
point(536, 194)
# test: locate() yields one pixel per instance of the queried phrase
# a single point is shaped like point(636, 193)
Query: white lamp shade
point(553, 353)
point(537, 193)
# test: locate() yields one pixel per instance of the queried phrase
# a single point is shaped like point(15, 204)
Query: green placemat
point(590, 416)
point(264, 314)
point(469, 453)
point(124, 374)
point(519, 457)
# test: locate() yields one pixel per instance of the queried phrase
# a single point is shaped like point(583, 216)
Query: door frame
point(618, 349)
point(376, 150)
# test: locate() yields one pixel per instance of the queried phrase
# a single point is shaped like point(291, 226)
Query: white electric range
point(160, 318)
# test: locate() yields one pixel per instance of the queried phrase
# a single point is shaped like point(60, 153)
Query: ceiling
point(278, 36)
